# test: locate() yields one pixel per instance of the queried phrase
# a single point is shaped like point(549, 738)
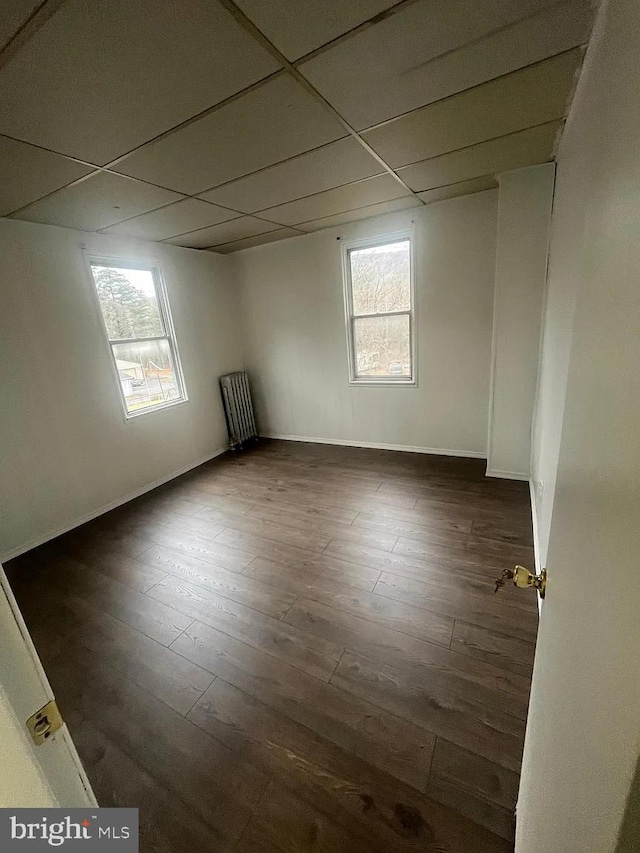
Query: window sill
point(131, 416)
point(385, 383)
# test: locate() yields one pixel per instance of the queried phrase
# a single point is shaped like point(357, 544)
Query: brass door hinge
point(45, 722)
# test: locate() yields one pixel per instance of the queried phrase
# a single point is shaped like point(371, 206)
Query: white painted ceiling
point(223, 125)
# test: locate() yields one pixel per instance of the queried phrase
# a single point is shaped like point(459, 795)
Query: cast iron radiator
point(238, 409)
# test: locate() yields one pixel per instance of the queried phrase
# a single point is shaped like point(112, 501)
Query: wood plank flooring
point(297, 648)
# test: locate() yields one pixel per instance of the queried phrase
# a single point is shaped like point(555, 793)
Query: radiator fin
point(238, 409)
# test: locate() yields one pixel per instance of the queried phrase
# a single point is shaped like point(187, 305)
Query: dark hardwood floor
point(297, 648)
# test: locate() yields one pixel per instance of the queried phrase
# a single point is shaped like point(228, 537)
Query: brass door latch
point(523, 578)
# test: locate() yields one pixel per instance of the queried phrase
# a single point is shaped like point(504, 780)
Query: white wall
point(524, 210)
point(296, 341)
point(67, 452)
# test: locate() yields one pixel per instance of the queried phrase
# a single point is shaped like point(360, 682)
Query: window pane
point(147, 374)
point(381, 278)
point(128, 301)
point(382, 346)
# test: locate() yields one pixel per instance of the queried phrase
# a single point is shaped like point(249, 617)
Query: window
point(380, 310)
point(136, 318)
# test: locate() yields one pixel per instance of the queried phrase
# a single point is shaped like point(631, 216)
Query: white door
point(24, 690)
point(583, 733)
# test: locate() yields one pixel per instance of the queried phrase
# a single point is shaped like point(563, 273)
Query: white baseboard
point(507, 475)
point(58, 531)
point(437, 451)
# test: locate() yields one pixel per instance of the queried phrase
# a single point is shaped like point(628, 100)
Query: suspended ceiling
point(220, 125)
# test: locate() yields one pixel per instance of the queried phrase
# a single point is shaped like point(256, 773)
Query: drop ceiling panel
point(531, 96)
point(28, 173)
point(100, 200)
point(370, 191)
point(476, 185)
point(258, 240)
point(404, 203)
point(178, 218)
point(424, 53)
point(331, 166)
point(273, 122)
point(15, 13)
point(226, 232)
point(297, 27)
point(524, 148)
point(102, 77)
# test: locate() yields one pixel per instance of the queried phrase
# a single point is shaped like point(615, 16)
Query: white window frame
point(350, 317)
point(167, 323)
